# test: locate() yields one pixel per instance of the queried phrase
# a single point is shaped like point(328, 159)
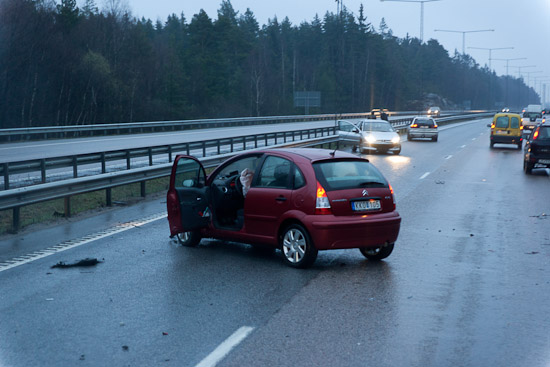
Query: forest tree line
point(65, 65)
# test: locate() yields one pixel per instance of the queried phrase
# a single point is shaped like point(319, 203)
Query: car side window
point(514, 123)
point(189, 173)
point(346, 126)
point(299, 180)
point(275, 172)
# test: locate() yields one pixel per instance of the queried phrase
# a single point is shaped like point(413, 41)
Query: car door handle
point(280, 198)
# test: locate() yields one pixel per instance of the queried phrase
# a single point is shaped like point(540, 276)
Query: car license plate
point(544, 161)
point(371, 204)
point(502, 132)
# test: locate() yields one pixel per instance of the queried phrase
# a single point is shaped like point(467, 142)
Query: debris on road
point(84, 262)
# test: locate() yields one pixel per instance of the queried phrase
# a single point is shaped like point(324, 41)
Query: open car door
point(349, 132)
point(187, 197)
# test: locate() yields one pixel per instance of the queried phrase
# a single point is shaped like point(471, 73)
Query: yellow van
point(507, 129)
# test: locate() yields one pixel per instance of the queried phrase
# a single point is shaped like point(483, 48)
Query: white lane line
point(463, 146)
point(224, 348)
point(449, 156)
point(424, 175)
point(474, 138)
point(24, 259)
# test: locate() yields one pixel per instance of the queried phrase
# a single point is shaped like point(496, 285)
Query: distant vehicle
point(506, 129)
point(422, 127)
point(434, 111)
point(300, 201)
point(371, 136)
point(531, 119)
point(537, 148)
point(505, 109)
point(377, 112)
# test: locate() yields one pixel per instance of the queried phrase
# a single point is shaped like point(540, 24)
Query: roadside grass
point(54, 210)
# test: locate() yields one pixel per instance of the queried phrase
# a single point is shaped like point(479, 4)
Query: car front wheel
point(189, 239)
point(297, 247)
point(377, 253)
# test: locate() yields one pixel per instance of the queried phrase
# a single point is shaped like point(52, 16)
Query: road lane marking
point(463, 146)
point(39, 254)
point(424, 175)
point(474, 138)
point(449, 156)
point(224, 348)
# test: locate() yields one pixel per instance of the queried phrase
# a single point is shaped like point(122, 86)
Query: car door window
point(189, 173)
point(502, 122)
point(299, 180)
point(274, 173)
point(347, 126)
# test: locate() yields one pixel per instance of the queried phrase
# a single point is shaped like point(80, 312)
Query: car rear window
point(424, 122)
point(544, 132)
point(348, 174)
point(502, 122)
point(514, 123)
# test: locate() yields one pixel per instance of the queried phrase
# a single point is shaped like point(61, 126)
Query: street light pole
point(421, 12)
point(528, 86)
point(507, 75)
point(519, 85)
point(464, 35)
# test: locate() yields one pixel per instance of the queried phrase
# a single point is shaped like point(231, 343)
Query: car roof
point(313, 154)
point(507, 114)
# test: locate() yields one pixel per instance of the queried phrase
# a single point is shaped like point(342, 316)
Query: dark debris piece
point(84, 262)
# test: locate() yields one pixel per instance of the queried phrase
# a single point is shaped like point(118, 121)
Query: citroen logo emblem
point(365, 192)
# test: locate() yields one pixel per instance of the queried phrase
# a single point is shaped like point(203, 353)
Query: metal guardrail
point(199, 148)
point(34, 133)
point(17, 198)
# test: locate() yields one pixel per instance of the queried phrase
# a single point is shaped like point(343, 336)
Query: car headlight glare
point(370, 139)
point(395, 140)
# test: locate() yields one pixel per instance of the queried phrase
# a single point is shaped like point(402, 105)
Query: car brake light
point(492, 126)
point(414, 125)
point(536, 135)
point(435, 126)
point(322, 205)
point(392, 196)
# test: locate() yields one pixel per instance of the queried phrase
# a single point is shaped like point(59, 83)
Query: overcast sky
point(521, 24)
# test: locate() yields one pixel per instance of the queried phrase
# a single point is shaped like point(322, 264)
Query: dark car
point(537, 148)
point(300, 200)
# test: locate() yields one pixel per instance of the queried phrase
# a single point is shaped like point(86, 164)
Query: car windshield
point(377, 126)
point(352, 174)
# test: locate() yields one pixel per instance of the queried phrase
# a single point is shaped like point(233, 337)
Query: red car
point(299, 200)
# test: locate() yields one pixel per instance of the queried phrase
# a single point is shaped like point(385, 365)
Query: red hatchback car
point(299, 200)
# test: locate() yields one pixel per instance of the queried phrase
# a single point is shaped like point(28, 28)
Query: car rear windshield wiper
point(369, 183)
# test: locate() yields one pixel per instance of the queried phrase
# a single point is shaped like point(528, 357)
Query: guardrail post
point(150, 156)
point(108, 197)
point(16, 219)
point(127, 159)
point(204, 149)
point(6, 176)
point(244, 142)
point(75, 167)
point(188, 150)
point(170, 153)
point(43, 170)
point(255, 141)
point(67, 205)
point(142, 188)
point(284, 137)
point(231, 145)
point(218, 146)
point(103, 166)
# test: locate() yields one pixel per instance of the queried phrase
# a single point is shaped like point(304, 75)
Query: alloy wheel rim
point(294, 245)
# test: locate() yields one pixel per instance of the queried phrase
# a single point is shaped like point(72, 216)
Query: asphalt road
point(468, 283)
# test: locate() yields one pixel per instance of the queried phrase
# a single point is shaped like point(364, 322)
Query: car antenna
point(333, 152)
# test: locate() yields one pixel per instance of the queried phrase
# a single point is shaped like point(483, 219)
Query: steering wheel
point(238, 185)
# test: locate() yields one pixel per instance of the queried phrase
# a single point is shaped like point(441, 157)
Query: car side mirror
point(488, 125)
point(355, 130)
point(189, 183)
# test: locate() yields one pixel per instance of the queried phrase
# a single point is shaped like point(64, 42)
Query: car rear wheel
point(492, 145)
point(297, 247)
point(377, 253)
point(434, 138)
point(527, 167)
point(189, 239)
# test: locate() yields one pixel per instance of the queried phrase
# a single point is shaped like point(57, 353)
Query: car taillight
point(536, 135)
point(392, 196)
point(322, 205)
point(414, 125)
point(492, 126)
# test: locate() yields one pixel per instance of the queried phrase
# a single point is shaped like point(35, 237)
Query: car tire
point(434, 138)
point(492, 145)
point(409, 137)
point(297, 247)
point(396, 152)
point(377, 253)
point(519, 146)
point(527, 167)
point(189, 239)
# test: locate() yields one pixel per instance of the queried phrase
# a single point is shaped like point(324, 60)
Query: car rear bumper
point(343, 232)
point(506, 139)
point(422, 134)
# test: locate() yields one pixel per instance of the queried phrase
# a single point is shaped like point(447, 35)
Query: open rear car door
point(187, 199)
